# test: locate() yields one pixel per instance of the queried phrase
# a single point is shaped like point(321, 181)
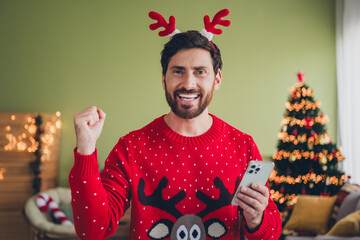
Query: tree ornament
point(323, 160)
point(295, 132)
point(310, 146)
point(303, 192)
point(324, 167)
point(325, 194)
point(322, 141)
point(285, 128)
point(289, 203)
point(326, 139)
point(292, 158)
point(308, 122)
point(311, 185)
point(301, 76)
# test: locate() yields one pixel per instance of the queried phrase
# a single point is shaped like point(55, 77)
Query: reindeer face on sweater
point(189, 226)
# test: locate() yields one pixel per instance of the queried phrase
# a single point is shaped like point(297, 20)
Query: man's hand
point(253, 201)
point(88, 126)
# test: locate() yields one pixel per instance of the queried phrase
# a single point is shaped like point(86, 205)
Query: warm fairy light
point(21, 146)
point(309, 177)
point(26, 142)
point(58, 124)
point(2, 171)
point(281, 198)
point(292, 199)
point(32, 129)
point(34, 145)
point(301, 91)
point(48, 139)
point(304, 104)
point(12, 142)
point(52, 129)
point(45, 154)
point(29, 119)
point(302, 122)
point(297, 155)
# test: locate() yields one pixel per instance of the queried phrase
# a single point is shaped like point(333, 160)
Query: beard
point(188, 111)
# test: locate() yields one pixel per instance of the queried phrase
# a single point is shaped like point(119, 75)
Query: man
point(180, 171)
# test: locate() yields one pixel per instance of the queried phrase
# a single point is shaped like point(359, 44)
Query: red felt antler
point(161, 22)
point(210, 26)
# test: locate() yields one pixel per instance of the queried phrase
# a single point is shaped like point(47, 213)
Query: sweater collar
point(207, 137)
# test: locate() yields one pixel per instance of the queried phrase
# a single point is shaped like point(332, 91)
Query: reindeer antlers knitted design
point(45, 202)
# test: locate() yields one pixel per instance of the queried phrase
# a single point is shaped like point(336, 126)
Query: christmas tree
point(307, 160)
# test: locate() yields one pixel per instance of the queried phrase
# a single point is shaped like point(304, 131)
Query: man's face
point(190, 82)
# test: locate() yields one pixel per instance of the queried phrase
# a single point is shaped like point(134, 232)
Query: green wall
point(68, 55)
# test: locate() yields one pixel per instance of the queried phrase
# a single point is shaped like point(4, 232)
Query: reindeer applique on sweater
point(188, 226)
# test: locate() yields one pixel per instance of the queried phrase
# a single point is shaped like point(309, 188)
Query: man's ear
point(163, 81)
point(218, 79)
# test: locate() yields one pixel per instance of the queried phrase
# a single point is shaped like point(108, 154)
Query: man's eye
point(201, 72)
point(177, 72)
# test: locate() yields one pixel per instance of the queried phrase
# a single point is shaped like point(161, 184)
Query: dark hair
point(188, 40)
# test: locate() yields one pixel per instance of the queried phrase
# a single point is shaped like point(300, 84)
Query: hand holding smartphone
point(256, 172)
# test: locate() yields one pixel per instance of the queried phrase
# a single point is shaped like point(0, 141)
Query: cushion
point(347, 226)
point(349, 205)
point(286, 213)
point(345, 190)
point(311, 214)
point(285, 216)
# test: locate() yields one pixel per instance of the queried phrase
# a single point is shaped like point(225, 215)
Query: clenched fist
point(88, 126)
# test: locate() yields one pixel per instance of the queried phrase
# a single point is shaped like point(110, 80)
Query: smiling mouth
point(188, 97)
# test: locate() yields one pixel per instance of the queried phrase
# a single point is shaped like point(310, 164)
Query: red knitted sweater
point(180, 187)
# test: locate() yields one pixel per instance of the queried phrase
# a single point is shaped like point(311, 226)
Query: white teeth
point(188, 96)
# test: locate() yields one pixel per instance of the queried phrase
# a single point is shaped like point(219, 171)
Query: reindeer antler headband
point(208, 31)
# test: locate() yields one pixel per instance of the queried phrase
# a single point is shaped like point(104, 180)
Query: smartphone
point(256, 172)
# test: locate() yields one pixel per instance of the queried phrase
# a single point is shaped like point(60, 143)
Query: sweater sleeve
point(99, 200)
point(271, 226)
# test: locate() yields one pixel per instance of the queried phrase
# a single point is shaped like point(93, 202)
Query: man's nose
point(189, 81)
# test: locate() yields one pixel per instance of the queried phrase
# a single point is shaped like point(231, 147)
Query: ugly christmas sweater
point(180, 187)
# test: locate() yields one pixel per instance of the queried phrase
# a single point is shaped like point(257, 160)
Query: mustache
point(185, 91)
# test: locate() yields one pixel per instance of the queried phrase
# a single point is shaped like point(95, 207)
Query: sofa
point(325, 218)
